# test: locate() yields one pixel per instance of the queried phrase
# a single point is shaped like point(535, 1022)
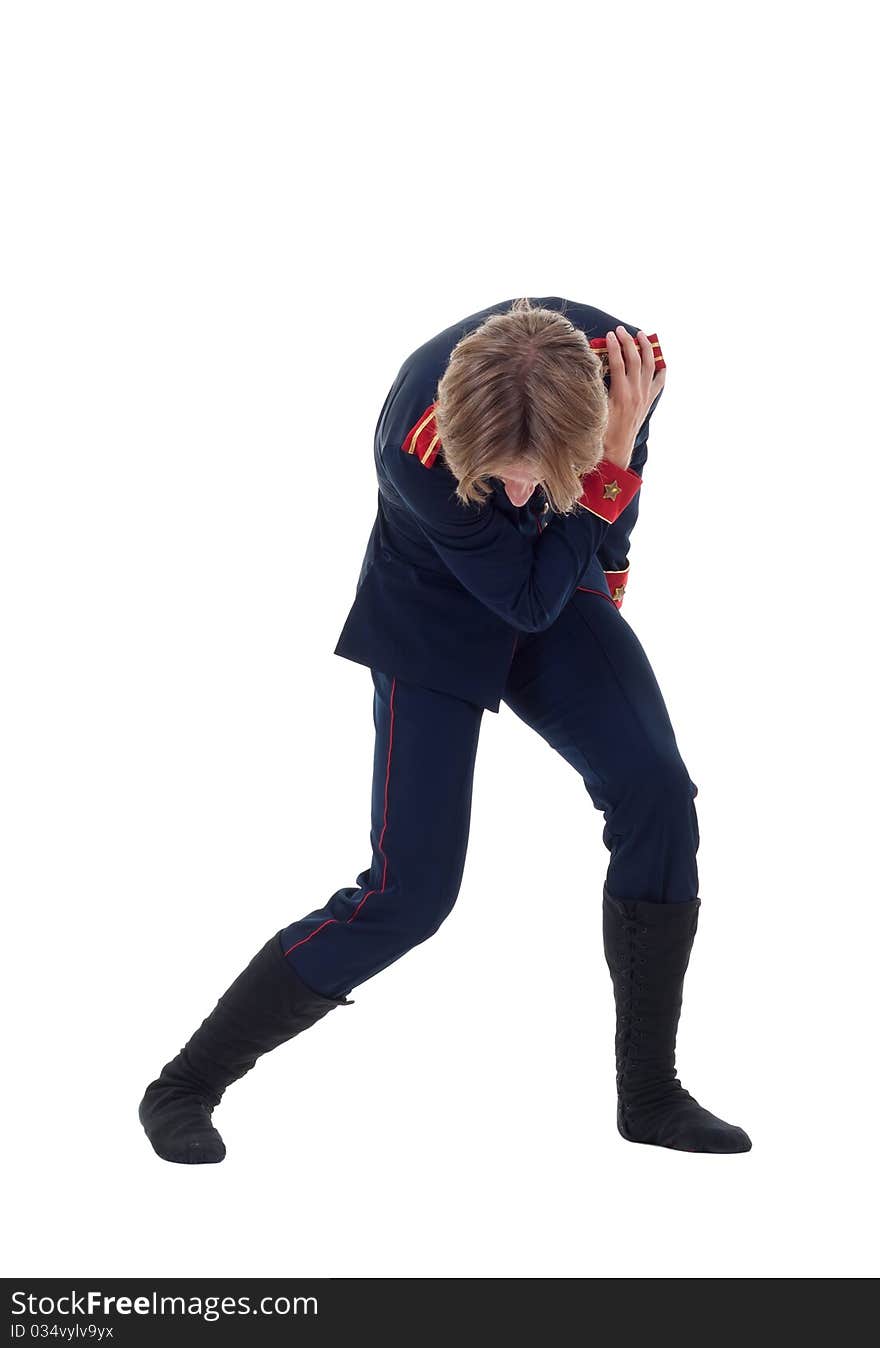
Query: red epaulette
point(600, 344)
point(423, 439)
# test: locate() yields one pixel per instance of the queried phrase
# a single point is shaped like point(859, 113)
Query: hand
point(634, 386)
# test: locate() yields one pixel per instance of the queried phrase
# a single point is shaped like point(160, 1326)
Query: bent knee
point(663, 782)
point(422, 919)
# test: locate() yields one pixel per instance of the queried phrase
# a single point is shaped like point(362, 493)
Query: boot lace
point(645, 1072)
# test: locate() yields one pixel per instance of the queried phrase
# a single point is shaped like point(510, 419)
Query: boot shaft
point(647, 948)
point(266, 1005)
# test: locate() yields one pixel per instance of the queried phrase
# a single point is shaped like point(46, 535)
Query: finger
point(631, 354)
point(646, 351)
point(616, 366)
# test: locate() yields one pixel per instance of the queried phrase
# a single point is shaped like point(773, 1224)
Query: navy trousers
point(586, 686)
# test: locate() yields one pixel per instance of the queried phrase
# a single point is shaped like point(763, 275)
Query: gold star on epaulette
point(617, 594)
point(612, 491)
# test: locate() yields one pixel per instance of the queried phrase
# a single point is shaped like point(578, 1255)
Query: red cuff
point(608, 490)
point(617, 585)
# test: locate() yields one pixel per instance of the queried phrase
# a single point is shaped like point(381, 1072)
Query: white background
point(225, 225)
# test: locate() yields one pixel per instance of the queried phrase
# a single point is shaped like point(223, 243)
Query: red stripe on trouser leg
point(332, 921)
point(385, 814)
point(420, 802)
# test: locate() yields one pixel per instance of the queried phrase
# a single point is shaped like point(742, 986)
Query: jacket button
point(386, 554)
point(546, 507)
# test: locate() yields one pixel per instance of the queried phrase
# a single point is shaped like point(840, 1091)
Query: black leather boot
point(648, 946)
point(266, 1005)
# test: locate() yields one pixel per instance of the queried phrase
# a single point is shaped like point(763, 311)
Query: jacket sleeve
point(525, 582)
point(614, 549)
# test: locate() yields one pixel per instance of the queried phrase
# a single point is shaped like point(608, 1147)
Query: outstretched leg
point(587, 687)
point(425, 751)
point(423, 768)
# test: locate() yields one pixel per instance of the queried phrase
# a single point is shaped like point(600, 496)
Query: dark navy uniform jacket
point(445, 590)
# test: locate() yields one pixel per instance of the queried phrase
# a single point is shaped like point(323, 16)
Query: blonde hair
point(524, 388)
